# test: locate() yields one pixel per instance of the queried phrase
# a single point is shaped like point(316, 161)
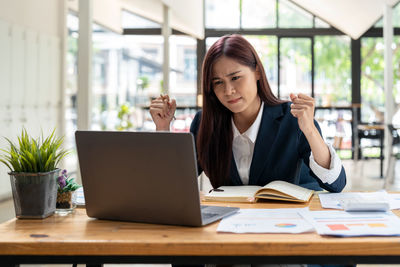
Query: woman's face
point(235, 85)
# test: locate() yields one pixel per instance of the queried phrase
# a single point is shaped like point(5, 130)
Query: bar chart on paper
point(341, 223)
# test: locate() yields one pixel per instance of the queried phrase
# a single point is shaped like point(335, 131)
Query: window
point(183, 77)
point(267, 50)
point(223, 14)
point(332, 71)
point(291, 16)
point(295, 66)
point(321, 24)
point(372, 93)
point(258, 13)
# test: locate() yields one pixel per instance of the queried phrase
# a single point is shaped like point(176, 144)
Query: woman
point(244, 134)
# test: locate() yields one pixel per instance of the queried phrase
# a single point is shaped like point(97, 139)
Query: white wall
point(38, 15)
point(29, 71)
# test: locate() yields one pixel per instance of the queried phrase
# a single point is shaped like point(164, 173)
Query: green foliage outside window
point(124, 115)
point(372, 78)
point(332, 70)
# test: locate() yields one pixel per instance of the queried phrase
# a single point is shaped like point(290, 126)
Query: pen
point(216, 190)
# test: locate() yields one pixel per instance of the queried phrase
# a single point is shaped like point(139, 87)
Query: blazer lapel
point(234, 174)
point(265, 138)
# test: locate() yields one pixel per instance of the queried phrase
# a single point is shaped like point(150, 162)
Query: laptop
point(148, 177)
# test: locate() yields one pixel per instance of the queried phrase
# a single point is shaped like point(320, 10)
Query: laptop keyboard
point(210, 212)
point(206, 215)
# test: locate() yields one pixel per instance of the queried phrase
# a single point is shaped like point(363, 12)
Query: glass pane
point(336, 126)
point(372, 80)
point(267, 50)
point(291, 16)
point(183, 78)
point(396, 80)
point(105, 83)
point(332, 71)
point(321, 24)
point(71, 92)
point(396, 16)
point(130, 20)
point(379, 24)
point(222, 14)
point(295, 64)
point(210, 41)
point(372, 93)
point(258, 13)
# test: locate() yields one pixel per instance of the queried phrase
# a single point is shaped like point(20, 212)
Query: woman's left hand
point(302, 108)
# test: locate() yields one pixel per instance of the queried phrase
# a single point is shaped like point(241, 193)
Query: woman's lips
point(234, 101)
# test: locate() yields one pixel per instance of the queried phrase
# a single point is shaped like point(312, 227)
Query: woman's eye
point(234, 78)
point(217, 82)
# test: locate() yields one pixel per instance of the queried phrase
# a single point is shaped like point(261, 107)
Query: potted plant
point(33, 165)
point(66, 187)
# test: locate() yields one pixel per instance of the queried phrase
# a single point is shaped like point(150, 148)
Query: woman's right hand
point(162, 110)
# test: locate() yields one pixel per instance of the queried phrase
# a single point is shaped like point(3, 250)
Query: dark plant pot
point(34, 194)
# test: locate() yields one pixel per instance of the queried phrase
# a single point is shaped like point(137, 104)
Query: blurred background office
point(88, 64)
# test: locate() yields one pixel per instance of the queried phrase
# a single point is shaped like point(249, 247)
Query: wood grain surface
point(78, 234)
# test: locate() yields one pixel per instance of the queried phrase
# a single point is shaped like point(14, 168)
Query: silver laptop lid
point(140, 176)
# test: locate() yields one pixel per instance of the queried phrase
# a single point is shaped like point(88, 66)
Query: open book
point(278, 190)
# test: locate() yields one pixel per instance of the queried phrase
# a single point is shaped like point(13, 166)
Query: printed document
point(342, 223)
point(266, 221)
point(332, 200)
point(394, 201)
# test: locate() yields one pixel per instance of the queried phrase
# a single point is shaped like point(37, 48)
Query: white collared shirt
point(243, 148)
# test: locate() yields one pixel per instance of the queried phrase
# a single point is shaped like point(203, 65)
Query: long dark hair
point(214, 140)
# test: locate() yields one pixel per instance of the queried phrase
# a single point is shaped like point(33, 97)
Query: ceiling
point(353, 17)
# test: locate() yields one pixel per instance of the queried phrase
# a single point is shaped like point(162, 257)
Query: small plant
point(143, 82)
point(66, 183)
point(65, 193)
point(124, 116)
point(33, 156)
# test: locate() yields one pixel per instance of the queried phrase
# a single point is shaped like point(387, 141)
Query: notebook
point(148, 177)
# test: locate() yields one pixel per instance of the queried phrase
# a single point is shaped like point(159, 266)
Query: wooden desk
point(79, 239)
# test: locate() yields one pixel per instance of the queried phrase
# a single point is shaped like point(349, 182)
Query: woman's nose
point(229, 89)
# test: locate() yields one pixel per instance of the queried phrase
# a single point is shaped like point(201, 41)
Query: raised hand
point(303, 109)
point(162, 111)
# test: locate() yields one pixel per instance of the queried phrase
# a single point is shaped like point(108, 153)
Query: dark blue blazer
point(279, 153)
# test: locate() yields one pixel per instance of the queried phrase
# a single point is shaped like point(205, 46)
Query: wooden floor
point(361, 176)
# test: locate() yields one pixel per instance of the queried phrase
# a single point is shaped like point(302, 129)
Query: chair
point(395, 153)
point(374, 135)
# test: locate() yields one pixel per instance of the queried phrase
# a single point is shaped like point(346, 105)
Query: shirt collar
point(252, 132)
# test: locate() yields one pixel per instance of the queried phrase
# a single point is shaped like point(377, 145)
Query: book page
point(233, 193)
point(295, 191)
